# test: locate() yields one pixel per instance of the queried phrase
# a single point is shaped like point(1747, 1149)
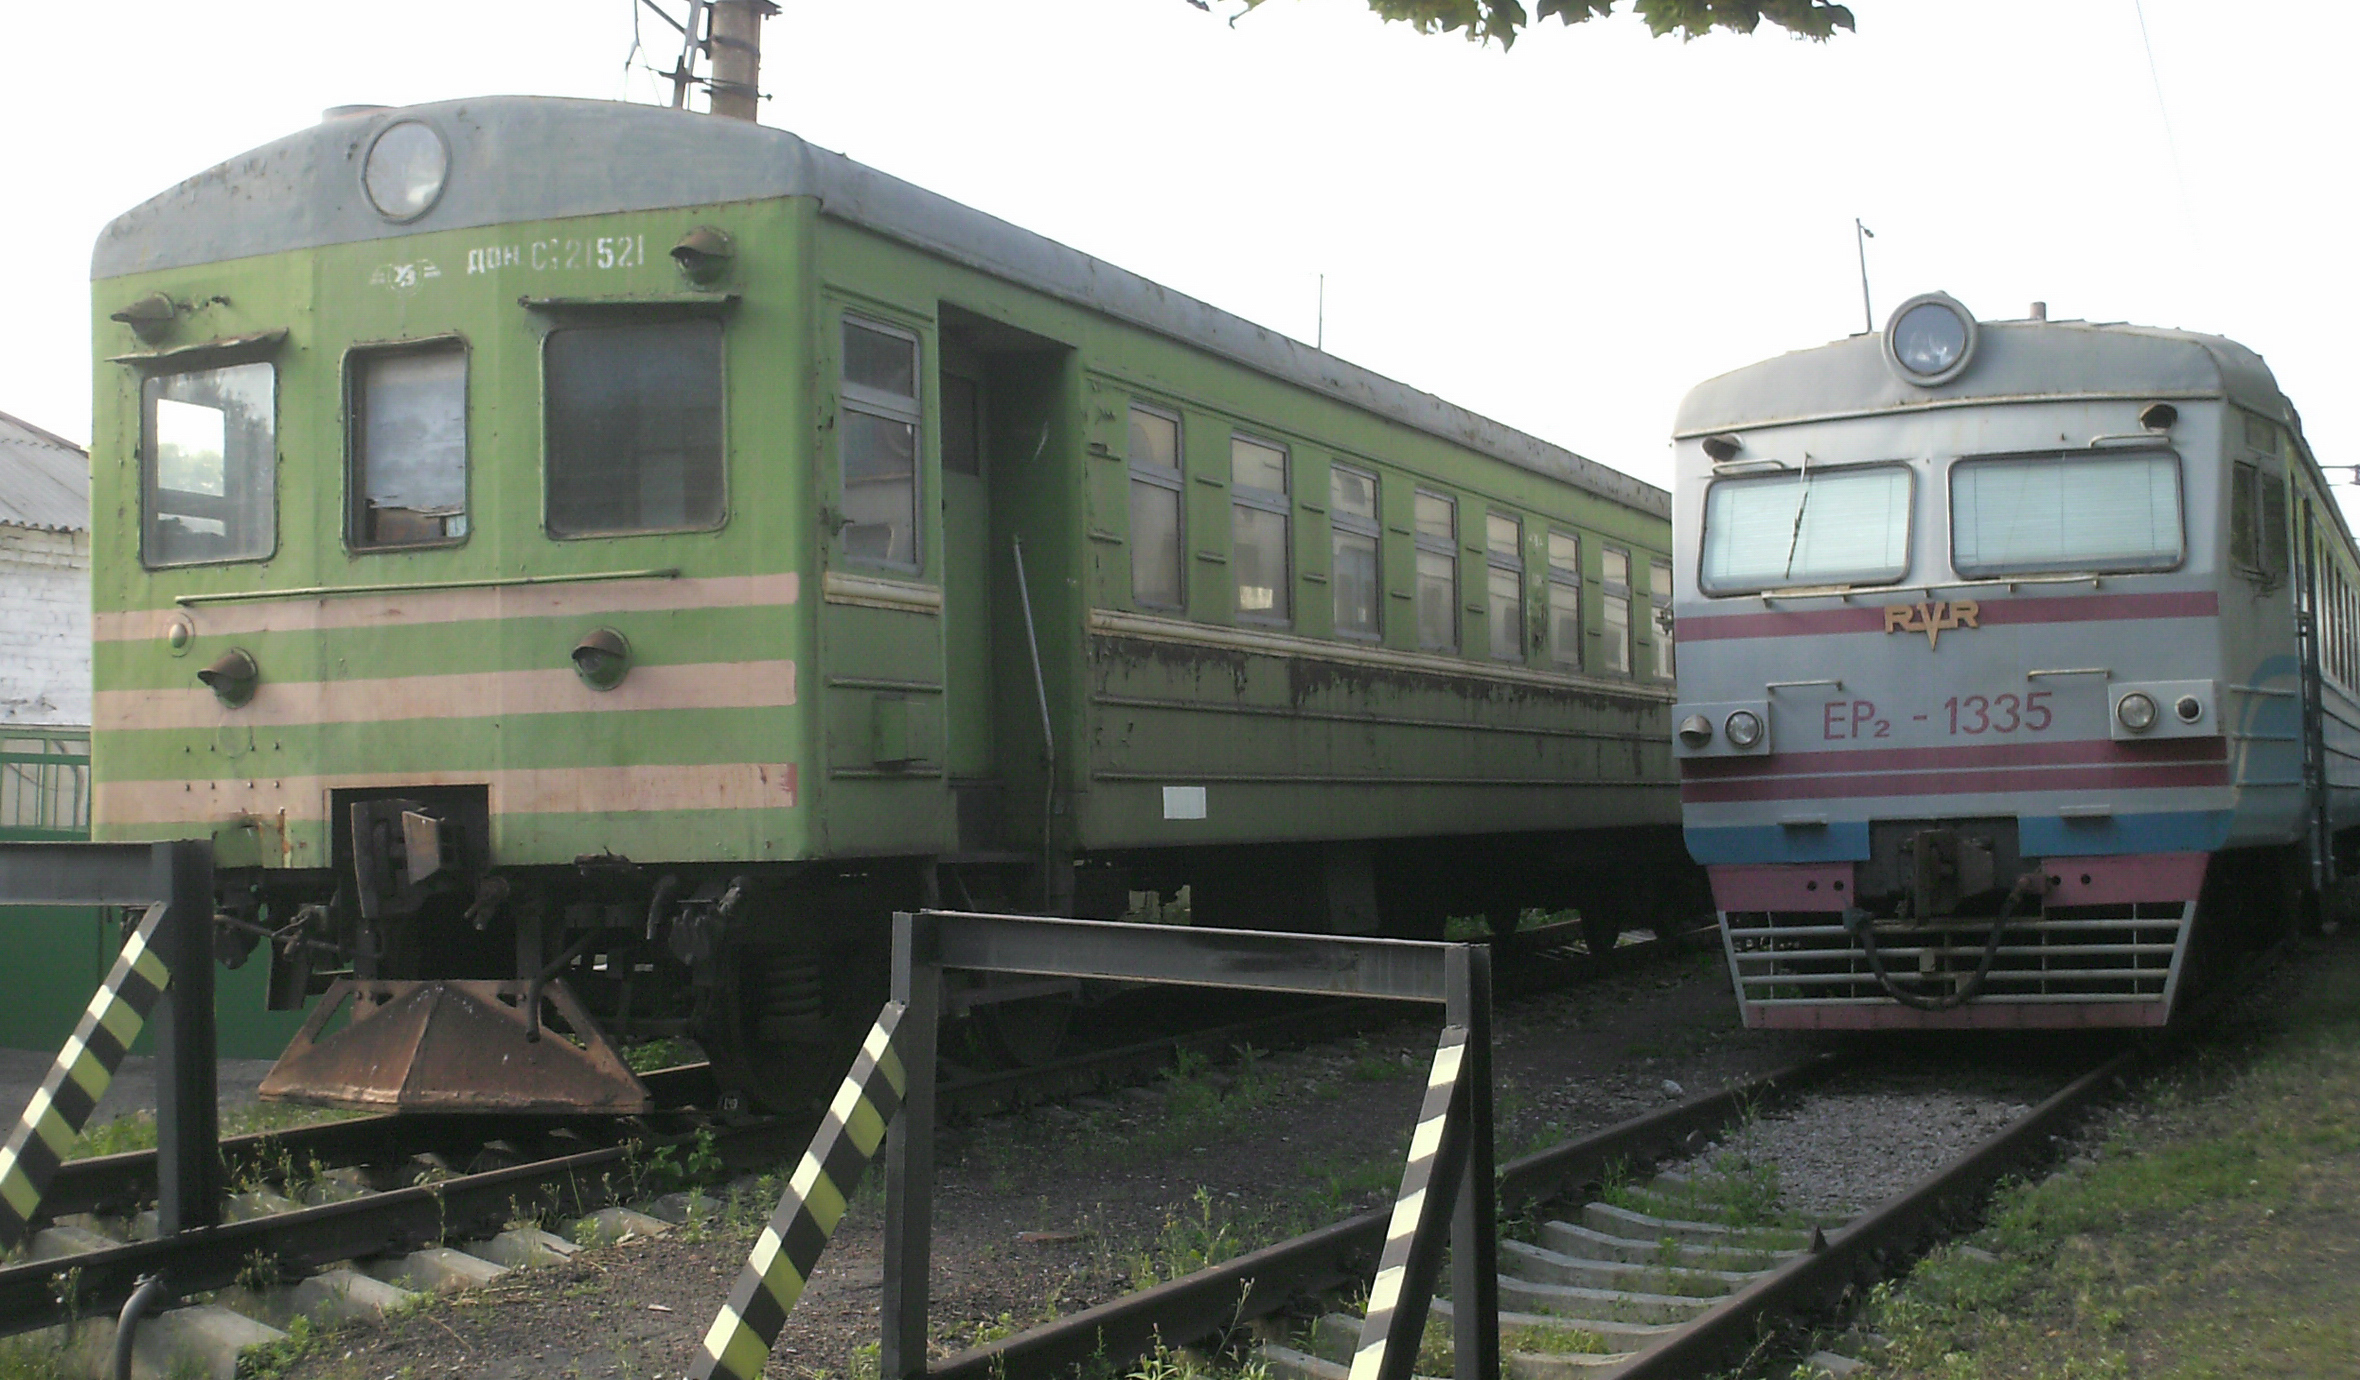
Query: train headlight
point(2136, 710)
point(2189, 708)
point(405, 170)
point(1744, 728)
point(1696, 730)
point(1930, 338)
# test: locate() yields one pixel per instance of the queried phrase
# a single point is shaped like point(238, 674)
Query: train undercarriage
point(444, 982)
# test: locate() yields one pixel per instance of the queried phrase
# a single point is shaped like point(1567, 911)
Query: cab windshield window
point(209, 465)
point(2029, 514)
point(1800, 529)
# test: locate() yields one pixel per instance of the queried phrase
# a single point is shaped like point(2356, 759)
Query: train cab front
point(1983, 672)
point(428, 585)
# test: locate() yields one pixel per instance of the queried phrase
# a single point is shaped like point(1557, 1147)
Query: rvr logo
point(1933, 619)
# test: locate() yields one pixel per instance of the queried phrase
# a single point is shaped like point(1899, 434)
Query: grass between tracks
point(2213, 1230)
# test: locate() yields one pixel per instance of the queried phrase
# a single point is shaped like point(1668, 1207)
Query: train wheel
point(1601, 931)
point(780, 1039)
point(1026, 1034)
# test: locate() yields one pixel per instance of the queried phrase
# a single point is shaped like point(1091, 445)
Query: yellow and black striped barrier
point(738, 1344)
point(1406, 1269)
point(58, 1112)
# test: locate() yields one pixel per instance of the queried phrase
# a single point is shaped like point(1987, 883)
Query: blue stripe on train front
point(2037, 836)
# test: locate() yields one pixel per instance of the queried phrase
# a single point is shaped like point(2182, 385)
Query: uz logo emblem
point(1933, 619)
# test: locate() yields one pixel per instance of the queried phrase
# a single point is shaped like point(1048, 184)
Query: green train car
point(585, 564)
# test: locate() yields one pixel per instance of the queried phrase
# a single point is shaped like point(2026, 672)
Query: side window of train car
point(406, 446)
point(1800, 529)
point(1435, 518)
point(1157, 577)
point(633, 426)
point(1614, 604)
point(1259, 519)
point(1503, 557)
point(209, 465)
point(1565, 600)
point(2070, 512)
point(2258, 545)
point(877, 444)
point(1352, 519)
point(1659, 599)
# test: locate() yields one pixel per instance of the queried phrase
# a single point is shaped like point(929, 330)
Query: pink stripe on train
point(2066, 608)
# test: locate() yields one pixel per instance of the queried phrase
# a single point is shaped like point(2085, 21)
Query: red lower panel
point(1782, 886)
point(2113, 881)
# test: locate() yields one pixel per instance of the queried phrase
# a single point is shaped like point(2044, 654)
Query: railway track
point(1621, 1278)
point(428, 1200)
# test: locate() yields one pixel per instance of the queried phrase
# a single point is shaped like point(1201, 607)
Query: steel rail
point(36, 1293)
point(1898, 1227)
point(1267, 1280)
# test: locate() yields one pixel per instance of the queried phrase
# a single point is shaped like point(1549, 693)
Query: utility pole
point(1861, 235)
point(737, 56)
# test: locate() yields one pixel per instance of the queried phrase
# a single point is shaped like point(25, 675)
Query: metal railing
point(1447, 1197)
point(44, 782)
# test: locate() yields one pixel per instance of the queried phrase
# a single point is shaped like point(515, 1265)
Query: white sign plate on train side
point(1184, 802)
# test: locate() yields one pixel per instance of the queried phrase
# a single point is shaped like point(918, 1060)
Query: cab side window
point(209, 465)
point(1353, 556)
point(1503, 543)
point(1259, 512)
point(1565, 600)
point(406, 446)
point(1435, 520)
point(1659, 597)
point(1615, 606)
point(877, 439)
point(633, 428)
point(1157, 579)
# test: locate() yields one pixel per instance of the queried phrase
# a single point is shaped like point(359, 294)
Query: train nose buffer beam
point(455, 1046)
point(2087, 941)
point(1447, 1197)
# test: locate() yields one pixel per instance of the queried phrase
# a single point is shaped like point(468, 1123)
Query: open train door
point(1010, 486)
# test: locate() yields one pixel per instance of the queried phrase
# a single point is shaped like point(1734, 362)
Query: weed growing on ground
point(1466, 929)
point(1370, 1066)
point(1552, 1339)
point(137, 1130)
point(1189, 1241)
point(651, 1055)
point(2203, 1235)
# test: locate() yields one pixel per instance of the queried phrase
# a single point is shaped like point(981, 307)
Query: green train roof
point(556, 158)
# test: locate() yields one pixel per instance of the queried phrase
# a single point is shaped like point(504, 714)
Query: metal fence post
point(188, 1132)
point(1475, 1249)
point(909, 1151)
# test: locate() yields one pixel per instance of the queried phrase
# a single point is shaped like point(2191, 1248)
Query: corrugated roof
point(44, 479)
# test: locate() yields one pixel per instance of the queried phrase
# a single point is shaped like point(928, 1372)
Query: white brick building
point(44, 578)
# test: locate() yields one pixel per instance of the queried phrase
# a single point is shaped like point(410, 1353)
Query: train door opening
point(1002, 391)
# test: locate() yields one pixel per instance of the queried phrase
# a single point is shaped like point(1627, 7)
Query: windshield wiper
point(1794, 541)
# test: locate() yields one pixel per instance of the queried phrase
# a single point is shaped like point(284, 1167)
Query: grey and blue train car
point(2017, 670)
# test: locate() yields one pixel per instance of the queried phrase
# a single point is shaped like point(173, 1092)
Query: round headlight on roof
point(405, 170)
point(1930, 338)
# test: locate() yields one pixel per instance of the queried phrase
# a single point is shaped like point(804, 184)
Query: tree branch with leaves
point(1486, 20)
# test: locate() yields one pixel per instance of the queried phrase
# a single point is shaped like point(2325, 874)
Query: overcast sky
point(1565, 236)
